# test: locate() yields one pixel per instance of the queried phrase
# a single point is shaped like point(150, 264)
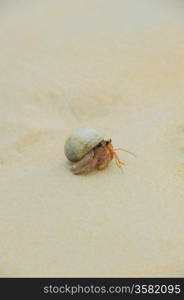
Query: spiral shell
point(80, 142)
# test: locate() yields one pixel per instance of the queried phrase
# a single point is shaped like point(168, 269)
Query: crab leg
point(119, 163)
point(85, 165)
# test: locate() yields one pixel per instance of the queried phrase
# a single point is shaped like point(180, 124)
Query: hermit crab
point(87, 150)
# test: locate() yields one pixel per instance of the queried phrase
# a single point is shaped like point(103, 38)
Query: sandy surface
point(117, 66)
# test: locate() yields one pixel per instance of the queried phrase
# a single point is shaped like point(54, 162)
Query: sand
point(117, 66)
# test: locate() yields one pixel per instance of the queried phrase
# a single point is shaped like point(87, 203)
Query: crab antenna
point(125, 151)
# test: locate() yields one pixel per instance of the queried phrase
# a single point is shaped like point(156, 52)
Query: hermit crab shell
point(80, 142)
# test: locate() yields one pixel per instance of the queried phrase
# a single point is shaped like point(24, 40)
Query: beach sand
point(117, 66)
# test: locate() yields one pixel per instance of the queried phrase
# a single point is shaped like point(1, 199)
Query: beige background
point(117, 66)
